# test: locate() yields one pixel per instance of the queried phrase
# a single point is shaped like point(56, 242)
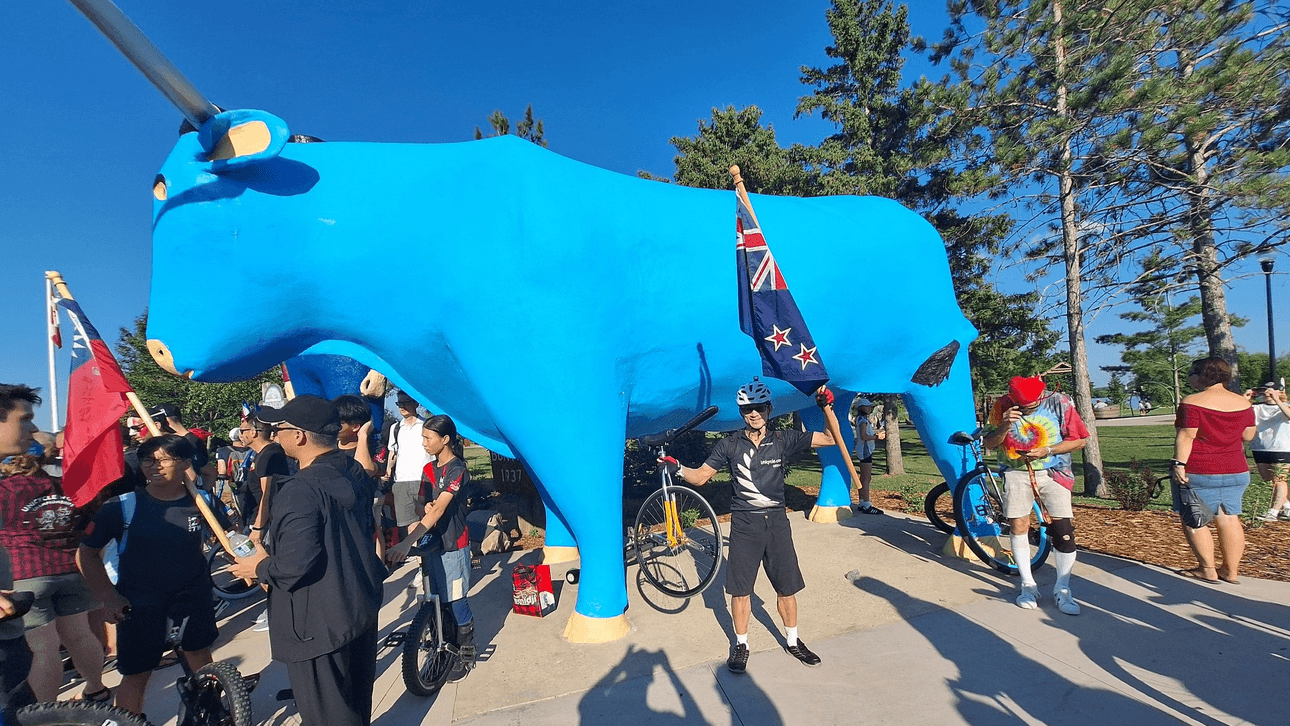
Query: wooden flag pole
point(63, 291)
point(830, 418)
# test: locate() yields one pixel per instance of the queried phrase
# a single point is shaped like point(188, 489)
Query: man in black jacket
point(323, 574)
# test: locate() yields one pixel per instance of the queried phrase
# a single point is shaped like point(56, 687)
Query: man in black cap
point(323, 575)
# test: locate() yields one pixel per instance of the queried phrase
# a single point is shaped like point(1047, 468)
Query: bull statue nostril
point(161, 354)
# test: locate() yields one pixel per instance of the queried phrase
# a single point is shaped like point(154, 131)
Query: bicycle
point(978, 514)
point(428, 657)
point(676, 537)
point(215, 694)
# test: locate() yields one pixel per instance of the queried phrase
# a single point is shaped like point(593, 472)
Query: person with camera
point(1271, 445)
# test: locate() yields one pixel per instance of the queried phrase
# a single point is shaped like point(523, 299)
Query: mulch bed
point(1154, 537)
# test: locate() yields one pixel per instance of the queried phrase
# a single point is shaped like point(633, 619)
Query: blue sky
point(85, 133)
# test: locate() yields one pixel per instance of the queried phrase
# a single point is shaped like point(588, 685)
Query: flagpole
point(50, 312)
point(65, 293)
point(830, 418)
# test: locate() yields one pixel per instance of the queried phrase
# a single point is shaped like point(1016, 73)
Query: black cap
point(310, 413)
point(404, 400)
point(1271, 384)
point(164, 411)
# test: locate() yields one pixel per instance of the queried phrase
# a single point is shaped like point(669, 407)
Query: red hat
point(1025, 391)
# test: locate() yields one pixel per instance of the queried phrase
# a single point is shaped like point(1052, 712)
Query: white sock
point(1285, 507)
point(741, 639)
point(1065, 562)
point(864, 503)
point(1021, 553)
point(790, 634)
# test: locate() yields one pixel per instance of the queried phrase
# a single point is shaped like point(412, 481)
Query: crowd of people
point(317, 487)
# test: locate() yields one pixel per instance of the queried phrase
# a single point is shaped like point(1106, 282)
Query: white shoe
point(1271, 516)
point(1029, 598)
point(1066, 601)
point(262, 622)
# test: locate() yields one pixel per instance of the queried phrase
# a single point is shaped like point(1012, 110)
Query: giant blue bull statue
point(563, 309)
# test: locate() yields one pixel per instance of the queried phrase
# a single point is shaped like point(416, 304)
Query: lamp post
point(1266, 264)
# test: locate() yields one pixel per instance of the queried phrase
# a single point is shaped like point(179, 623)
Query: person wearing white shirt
point(1271, 446)
point(408, 459)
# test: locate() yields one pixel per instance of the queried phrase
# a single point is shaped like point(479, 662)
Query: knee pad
point(1062, 531)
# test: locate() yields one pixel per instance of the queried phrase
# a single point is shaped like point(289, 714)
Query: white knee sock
point(1065, 562)
point(790, 634)
point(1021, 553)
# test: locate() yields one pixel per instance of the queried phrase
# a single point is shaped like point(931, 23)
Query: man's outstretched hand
point(671, 466)
point(824, 397)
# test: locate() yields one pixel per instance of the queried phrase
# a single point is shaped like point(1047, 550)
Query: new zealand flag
point(767, 312)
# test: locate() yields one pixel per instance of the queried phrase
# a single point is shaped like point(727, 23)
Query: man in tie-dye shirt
point(1035, 431)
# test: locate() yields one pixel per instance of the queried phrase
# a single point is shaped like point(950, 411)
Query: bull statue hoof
point(582, 629)
point(829, 515)
point(555, 554)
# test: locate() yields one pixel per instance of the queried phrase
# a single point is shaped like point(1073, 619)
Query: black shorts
point(141, 637)
point(1271, 457)
point(867, 460)
point(762, 538)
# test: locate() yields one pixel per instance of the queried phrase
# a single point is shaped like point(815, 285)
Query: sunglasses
point(761, 408)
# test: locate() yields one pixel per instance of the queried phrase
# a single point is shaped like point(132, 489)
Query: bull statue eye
point(159, 188)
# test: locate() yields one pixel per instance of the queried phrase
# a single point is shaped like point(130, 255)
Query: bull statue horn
point(150, 61)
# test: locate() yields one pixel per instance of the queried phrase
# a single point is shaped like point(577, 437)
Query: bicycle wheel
point(215, 696)
point(425, 664)
point(678, 542)
point(938, 505)
point(227, 586)
point(77, 713)
point(978, 512)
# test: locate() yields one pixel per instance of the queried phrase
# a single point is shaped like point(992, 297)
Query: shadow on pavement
point(619, 698)
point(1188, 642)
point(996, 680)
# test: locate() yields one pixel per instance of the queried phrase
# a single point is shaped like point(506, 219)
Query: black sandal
point(100, 696)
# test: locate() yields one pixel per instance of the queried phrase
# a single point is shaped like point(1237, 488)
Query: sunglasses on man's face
point(760, 408)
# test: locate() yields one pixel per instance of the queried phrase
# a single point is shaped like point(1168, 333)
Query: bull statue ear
point(235, 139)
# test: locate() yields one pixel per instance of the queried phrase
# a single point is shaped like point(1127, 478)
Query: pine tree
point(530, 129)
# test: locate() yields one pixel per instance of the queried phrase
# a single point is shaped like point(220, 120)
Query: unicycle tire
point(979, 516)
point(77, 713)
point(220, 695)
point(426, 665)
point(227, 585)
point(681, 567)
point(938, 505)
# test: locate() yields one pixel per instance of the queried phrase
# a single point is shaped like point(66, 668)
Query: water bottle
point(242, 545)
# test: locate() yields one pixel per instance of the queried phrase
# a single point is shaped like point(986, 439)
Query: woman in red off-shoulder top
point(1209, 456)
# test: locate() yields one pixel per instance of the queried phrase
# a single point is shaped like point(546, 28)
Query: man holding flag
point(759, 528)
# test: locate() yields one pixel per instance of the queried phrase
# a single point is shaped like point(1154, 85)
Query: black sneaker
point(738, 662)
point(868, 509)
point(802, 653)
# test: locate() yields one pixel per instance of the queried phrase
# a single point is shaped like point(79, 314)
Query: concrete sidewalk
point(906, 634)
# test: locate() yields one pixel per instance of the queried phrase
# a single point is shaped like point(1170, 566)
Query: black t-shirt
point(449, 533)
point(270, 461)
point(163, 554)
point(758, 472)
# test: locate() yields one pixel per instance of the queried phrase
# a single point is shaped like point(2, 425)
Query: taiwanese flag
point(768, 313)
point(96, 400)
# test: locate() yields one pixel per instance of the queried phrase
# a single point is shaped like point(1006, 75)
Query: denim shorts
point(1226, 490)
point(449, 573)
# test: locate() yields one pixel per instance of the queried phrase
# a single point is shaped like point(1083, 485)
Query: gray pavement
point(907, 635)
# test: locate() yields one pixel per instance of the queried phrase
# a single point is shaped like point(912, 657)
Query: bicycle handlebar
point(666, 437)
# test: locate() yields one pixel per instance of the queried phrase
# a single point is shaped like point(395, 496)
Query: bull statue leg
point(558, 543)
point(834, 502)
point(939, 410)
point(586, 488)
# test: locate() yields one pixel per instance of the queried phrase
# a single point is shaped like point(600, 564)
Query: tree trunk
point(1093, 483)
point(1200, 222)
point(891, 424)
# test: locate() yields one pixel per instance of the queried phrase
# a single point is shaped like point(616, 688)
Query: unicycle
point(979, 515)
point(428, 656)
point(215, 694)
point(77, 713)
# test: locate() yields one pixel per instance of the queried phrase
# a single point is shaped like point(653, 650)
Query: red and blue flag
point(96, 401)
point(768, 313)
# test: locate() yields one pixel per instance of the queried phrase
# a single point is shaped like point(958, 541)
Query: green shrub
point(1132, 488)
